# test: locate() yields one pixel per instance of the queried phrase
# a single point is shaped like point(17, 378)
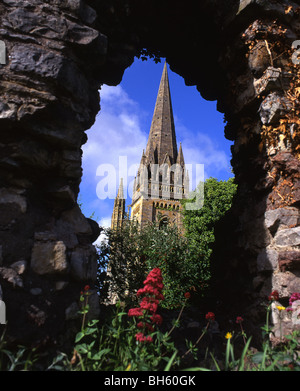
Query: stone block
point(49, 257)
point(258, 60)
point(45, 236)
point(270, 80)
point(287, 237)
point(19, 266)
point(75, 220)
point(11, 276)
point(66, 233)
point(60, 285)
point(62, 194)
point(36, 291)
point(281, 217)
point(296, 314)
point(267, 260)
point(84, 264)
point(286, 283)
point(30, 58)
point(8, 111)
point(289, 260)
point(273, 107)
point(13, 196)
point(243, 4)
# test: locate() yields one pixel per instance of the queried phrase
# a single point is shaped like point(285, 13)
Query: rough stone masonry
point(59, 54)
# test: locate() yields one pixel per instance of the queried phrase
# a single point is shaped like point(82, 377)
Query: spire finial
point(121, 191)
point(162, 135)
point(180, 158)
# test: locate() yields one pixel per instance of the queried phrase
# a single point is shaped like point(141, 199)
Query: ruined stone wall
point(262, 112)
point(49, 96)
point(58, 55)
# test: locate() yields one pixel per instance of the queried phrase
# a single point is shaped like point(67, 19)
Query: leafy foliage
point(132, 252)
point(184, 260)
point(121, 266)
point(165, 247)
point(145, 53)
point(114, 346)
point(199, 224)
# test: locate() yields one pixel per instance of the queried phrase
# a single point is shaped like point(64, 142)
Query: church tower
point(161, 180)
point(119, 209)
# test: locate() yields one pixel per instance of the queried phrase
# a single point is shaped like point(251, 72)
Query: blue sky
point(122, 127)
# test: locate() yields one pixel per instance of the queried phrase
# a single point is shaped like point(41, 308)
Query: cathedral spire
point(180, 158)
point(160, 182)
point(121, 191)
point(162, 137)
point(119, 208)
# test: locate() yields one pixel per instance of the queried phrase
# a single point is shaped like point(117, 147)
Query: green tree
point(132, 252)
point(165, 247)
point(199, 224)
point(121, 267)
point(184, 260)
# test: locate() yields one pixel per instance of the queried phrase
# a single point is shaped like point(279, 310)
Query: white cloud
point(105, 222)
point(198, 149)
point(116, 132)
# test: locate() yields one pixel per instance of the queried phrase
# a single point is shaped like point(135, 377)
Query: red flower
point(274, 296)
point(147, 326)
point(295, 296)
point(239, 319)
point(135, 312)
point(210, 316)
point(149, 289)
point(148, 305)
point(149, 339)
point(187, 295)
point(140, 337)
point(157, 319)
point(86, 288)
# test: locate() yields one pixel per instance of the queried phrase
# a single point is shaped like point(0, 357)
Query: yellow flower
point(280, 307)
point(128, 368)
point(228, 335)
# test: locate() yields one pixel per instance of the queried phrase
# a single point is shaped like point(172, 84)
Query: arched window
point(164, 221)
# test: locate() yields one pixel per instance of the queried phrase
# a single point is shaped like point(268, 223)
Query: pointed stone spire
point(158, 188)
point(121, 190)
point(162, 137)
point(119, 208)
point(180, 158)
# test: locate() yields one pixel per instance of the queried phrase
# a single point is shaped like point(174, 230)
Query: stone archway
point(58, 55)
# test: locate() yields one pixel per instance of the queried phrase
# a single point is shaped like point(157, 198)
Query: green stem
point(280, 327)
point(196, 343)
point(243, 334)
point(84, 313)
point(177, 320)
point(267, 319)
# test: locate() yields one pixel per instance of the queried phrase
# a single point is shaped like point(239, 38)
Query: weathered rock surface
point(49, 98)
point(49, 257)
point(288, 237)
